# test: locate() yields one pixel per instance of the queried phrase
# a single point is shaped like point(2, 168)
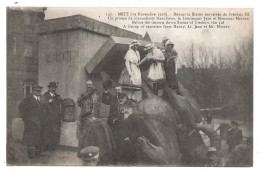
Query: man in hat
point(52, 117)
point(90, 155)
point(170, 64)
point(31, 111)
point(92, 130)
point(234, 136)
point(116, 102)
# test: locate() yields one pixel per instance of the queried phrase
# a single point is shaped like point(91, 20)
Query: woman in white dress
point(156, 73)
point(131, 75)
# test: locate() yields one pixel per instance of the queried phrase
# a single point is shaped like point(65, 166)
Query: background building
point(22, 55)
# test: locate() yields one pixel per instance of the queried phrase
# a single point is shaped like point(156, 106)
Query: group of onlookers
point(42, 119)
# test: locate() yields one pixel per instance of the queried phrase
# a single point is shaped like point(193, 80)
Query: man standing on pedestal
point(170, 64)
point(31, 111)
point(52, 117)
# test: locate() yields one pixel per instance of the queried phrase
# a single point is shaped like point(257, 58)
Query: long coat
point(234, 137)
point(116, 111)
point(170, 68)
point(51, 119)
point(95, 132)
point(31, 111)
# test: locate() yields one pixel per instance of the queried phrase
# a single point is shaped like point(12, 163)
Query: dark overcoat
point(115, 113)
point(234, 138)
point(170, 68)
point(51, 118)
point(31, 111)
point(96, 132)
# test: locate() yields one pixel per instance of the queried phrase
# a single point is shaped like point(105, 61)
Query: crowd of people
point(42, 120)
point(112, 142)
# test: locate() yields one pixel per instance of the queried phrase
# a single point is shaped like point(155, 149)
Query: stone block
point(17, 129)
point(69, 134)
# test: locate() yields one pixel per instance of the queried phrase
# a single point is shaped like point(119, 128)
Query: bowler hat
point(52, 84)
point(37, 87)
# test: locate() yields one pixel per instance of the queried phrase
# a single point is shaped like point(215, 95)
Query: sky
point(217, 39)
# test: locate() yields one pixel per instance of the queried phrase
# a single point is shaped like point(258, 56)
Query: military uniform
point(89, 103)
point(96, 132)
point(31, 111)
point(116, 109)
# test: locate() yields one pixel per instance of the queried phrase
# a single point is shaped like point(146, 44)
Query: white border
point(129, 3)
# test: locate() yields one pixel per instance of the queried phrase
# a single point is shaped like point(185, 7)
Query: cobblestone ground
point(17, 156)
point(16, 152)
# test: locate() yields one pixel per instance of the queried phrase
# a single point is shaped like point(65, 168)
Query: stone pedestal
point(133, 93)
point(17, 129)
point(69, 134)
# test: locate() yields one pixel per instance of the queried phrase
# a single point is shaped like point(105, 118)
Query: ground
point(68, 156)
point(60, 157)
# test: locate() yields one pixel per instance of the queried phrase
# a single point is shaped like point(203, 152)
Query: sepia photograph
point(124, 86)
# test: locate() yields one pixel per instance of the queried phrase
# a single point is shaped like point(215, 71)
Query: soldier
point(170, 64)
point(52, 117)
point(90, 155)
point(89, 101)
point(92, 130)
point(31, 112)
point(234, 136)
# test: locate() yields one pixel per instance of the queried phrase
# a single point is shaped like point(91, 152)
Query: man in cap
point(31, 111)
point(92, 130)
point(170, 64)
point(52, 117)
point(90, 155)
point(116, 102)
point(234, 136)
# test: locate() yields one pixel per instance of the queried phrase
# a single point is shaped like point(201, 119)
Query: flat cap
point(89, 152)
